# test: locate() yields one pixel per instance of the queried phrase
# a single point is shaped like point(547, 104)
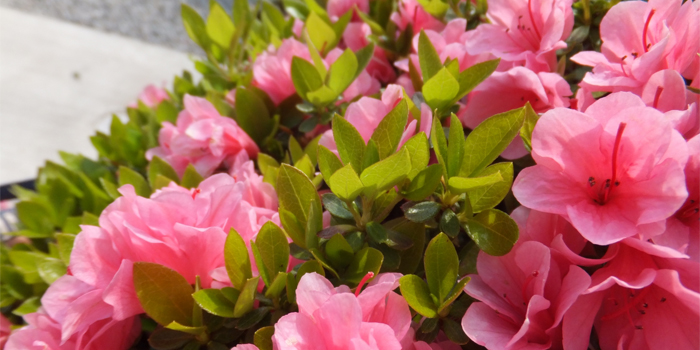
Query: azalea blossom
point(503, 91)
point(366, 114)
point(639, 39)
point(411, 12)
point(151, 96)
point(614, 171)
point(336, 319)
point(666, 92)
point(337, 8)
point(355, 37)
point(645, 298)
point(524, 32)
point(201, 137)
point(523, 298)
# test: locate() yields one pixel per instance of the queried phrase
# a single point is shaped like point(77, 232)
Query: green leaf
point(455, 150)
point(274, 248)
point(423, 211)
point(164, 338)
point(305, 76)
point(377, 232)
point(322, 96)
point(336, 207)
point(35, 217)
point(454, 332)
point(436, 8)
point(26, 262)
point(164, 294)
point(328, 163)
point(50, 269)
point(214, 302)
point(237, 260)
point(293, 227)
point(241, 13)
point(296, 193)
point(364, 56)
point(417, 294)
point(277, 286)
point(351, 146)
point(428, 57)
point(338, 251)
point(474, 75)
point(65, 246)
point(295, 149)
point(366, 260)
point(419, 150)
point(441, 266)
point(388, 133)
point(176, 326)
point(191, 178)
point(252, 114)
point(321, 259)
point(195, 27)
point(424, 184)
point(28, 306)
point(493, 231)
point(460, 185)
point(245, 301)
point(263, 338)
point(160, 167)
point(128, 176)
point(411, 257)
point(306, 166)
point(219, 25)
point(321, 33)
point(110, 188)
point(490, 139)
point(371, 154)
point(456, 292)
point(252, 318)
point(440, 89)
point(449, 223)
point(342, 72)
point(386, 173)
point(437, 136)
point(489, 196)
point(346, 184)
point(13, 282)
point(531, 118)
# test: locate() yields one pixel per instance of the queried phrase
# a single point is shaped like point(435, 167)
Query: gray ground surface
point(152, 21)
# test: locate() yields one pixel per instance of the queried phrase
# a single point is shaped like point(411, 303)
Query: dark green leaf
point(252, 114)
point(263, 338)
point(449, 223)
point(493, 231)
point(364, 261)
point(454, 332)
point(336, 207)
point(273, 247)
point(252, 318)
point(423, 211)
point(338, 251)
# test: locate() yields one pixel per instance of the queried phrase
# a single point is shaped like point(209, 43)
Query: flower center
point(532, 19)
point(527, 282)
point(603, 194)
point(630, 301)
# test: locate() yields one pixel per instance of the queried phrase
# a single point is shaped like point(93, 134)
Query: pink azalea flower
point(356, 37)
point(639, 39)
point(272, 70)
point(411, 12)
point(5, 330)
point(524, 32)
point(666, 92)
point(367, 113)
point(179, 228)
point(449, 43)
point(337, 8)
point(511, 89)
point(645, 298)
point(44, 333)
point(203, 138)
point(151, 96)
point(524, 296)
point(245, 347)
point(336, 319)
point(613, 172)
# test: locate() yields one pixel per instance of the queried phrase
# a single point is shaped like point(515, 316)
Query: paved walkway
point(59, 82)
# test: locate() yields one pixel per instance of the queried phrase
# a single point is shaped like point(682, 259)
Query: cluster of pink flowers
point(183, 229)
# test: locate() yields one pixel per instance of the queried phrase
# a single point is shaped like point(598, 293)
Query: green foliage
point(163, 293)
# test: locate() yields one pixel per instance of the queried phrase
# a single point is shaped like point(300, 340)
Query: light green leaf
point(417, 294)
point(456, 292)
point(459, 185)
point(128, 176)
point(214, 302)
point(195, 27)
point(321, 33)
point(160, 167)
point(386, 173)
point(351, 146)
point(474, 75)
point(441, 266)
point(388, 133)
point(252, 114)
point(419, 150)
point(440, 89)
point(338, 251)
point(186, 329)
point(219, 25)
point(295, 149)
point(430, 62)
point(493, 231)
point(342, 72)
point(273, 246)
point(305, 76)
point(28, 306)
point(346, 184)
point(50, 269)
point(278, 284)
point(437, 137)
point(489, 196)
point(65, 246)
point(455, 149)
point(328, 163)
point(296, 193)
point(191, 178)
point(490, 139)
point(164, 294)
point(436, 8)
point(322, 96)
point(371, 154)
point(531, 118)
point(245, 301)
point(424, 184)
point(263, 338)
point(237, 259)
point(366, 260)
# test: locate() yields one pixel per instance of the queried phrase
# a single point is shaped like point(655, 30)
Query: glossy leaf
point(245, 301)
point(493, 231)
point(214, 302)
point(441, 266)
point(366, 260)
point(460, 185)
point(487, 197)
point(440, 89)
point(428, 57)
point(388, 133)
point(423, 211)
point(416, 292)
point(128, 176)
point(351, 146)
point(252, 114)
point(164, 294)
point(386, 173)
point(237, 259)
point(424, 184)
point(346, 184)
point(531, 118)
point(296, 193)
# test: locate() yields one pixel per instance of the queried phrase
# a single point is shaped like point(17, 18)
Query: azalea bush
point(372, 174)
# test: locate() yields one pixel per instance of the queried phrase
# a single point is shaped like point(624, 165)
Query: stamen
point(659, 90)
point(195, 192)
point(646, 29)
point(604, 192)
point(364, 280)
point(591, 181)
point(532, 19)
point(625, 310)
point(527, 283)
